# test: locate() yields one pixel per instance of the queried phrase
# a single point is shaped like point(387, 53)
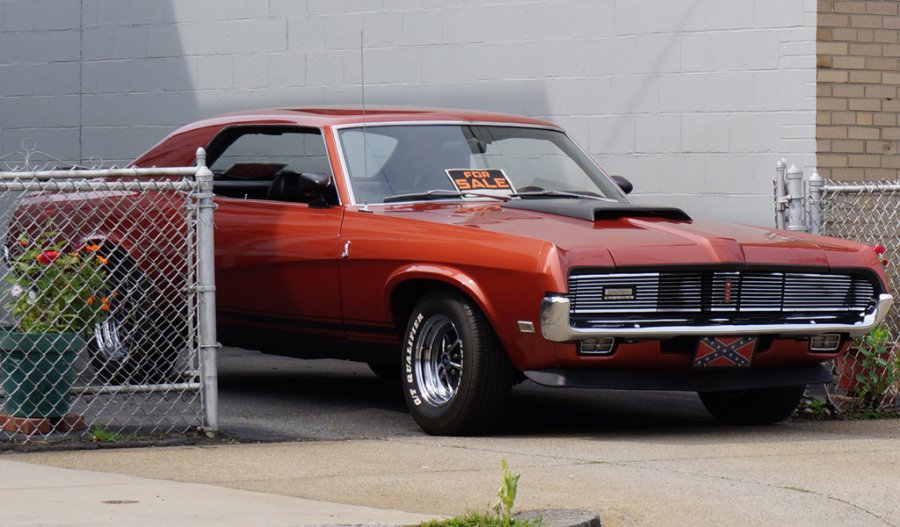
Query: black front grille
point(719, 293)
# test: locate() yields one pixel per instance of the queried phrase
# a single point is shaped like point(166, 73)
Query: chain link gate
point(107, 301)
point(867, 212)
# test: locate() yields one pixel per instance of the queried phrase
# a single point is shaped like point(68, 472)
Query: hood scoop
point(594, 210)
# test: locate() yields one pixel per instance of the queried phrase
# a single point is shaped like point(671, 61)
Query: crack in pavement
point(829, 497)
point(639, 464)
point(650, 460)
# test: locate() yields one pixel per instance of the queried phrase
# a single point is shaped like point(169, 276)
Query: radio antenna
point(362, 83)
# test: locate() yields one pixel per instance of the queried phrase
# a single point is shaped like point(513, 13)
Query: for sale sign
point(480, 180)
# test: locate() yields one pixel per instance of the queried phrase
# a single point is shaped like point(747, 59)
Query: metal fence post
point(795, 199)
point(206, 288)
point(779, 193)
point(814, 202)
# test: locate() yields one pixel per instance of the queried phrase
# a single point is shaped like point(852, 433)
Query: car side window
point(246, 161)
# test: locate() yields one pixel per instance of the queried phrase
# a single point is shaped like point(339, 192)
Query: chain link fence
point(868, 377)
point(107, 298)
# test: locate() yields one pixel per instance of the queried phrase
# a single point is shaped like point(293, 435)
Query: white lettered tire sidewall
point(486, 377)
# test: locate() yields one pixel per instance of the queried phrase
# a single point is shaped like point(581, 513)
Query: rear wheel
point(753, 407)
point(456, 376)
point(133, 345)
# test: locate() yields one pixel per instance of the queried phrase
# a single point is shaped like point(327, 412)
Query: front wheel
point(753, 407)
point(456, 376)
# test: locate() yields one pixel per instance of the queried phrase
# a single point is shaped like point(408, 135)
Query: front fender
point(440, 273)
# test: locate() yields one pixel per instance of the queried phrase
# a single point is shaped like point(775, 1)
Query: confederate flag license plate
point(724, 352)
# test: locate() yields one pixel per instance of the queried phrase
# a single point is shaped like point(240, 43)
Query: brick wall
point(858, 54)
point(693, 100)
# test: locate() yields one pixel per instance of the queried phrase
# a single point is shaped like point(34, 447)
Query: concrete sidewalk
point(35, 495)
point(800, 474)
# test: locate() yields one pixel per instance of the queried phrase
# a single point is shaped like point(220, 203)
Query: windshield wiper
point(558, 194)
point(440, 194)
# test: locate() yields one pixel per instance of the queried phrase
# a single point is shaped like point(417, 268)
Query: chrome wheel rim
point(438, 357)
point(109, 343)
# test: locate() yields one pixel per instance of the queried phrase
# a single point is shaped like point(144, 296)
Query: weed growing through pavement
point(502, 509)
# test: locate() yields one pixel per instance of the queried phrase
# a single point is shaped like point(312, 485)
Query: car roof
point(320, 116)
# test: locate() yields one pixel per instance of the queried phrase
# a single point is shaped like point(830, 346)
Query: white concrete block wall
point(694, 100)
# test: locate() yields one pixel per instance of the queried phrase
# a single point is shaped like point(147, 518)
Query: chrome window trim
point(624, 197)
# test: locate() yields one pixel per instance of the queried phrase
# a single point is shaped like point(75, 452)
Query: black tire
point(456, 376)
point(134, 344)
point(753, 407)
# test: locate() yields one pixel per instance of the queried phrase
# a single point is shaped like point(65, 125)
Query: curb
point(548, 518)
point(562, 517)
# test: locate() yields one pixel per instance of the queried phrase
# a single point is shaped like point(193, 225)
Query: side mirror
point(312, 183)
point(624, 184)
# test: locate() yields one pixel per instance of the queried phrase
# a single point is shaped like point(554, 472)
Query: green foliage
point(502, 517)
point(878, 371)
point(98, 434)
point(55, 287)
point(815, 409)
point(506, 496)
point(474, 519)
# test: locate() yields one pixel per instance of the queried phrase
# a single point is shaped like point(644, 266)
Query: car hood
point(625, 236)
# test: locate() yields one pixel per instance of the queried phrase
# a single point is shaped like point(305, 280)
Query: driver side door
point(276, 260)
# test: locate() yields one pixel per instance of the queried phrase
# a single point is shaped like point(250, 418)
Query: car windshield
point(411, 162)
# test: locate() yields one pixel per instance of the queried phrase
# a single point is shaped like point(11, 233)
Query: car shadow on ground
point(275, 398)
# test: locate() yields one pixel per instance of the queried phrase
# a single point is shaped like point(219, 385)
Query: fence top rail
point(868, 186)
point(86, 185)
point(98, 173)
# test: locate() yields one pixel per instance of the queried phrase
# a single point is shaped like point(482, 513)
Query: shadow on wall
point(104, 79)
point(110, 79)
point(95, 80)
point(137, 84)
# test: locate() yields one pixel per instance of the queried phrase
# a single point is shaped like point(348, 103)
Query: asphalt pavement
point(268, 398)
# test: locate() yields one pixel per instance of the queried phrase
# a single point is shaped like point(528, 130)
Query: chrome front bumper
point(556, 325)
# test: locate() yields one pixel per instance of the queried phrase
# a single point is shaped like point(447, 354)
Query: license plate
point(724, 352)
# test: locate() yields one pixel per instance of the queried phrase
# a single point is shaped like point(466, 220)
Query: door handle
point(346, 252)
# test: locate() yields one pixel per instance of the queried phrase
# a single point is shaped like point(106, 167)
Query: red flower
point(49, 212)
point(23, 242)
point(47, 257)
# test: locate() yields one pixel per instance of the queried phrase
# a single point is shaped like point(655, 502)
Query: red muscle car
point(463, 252)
